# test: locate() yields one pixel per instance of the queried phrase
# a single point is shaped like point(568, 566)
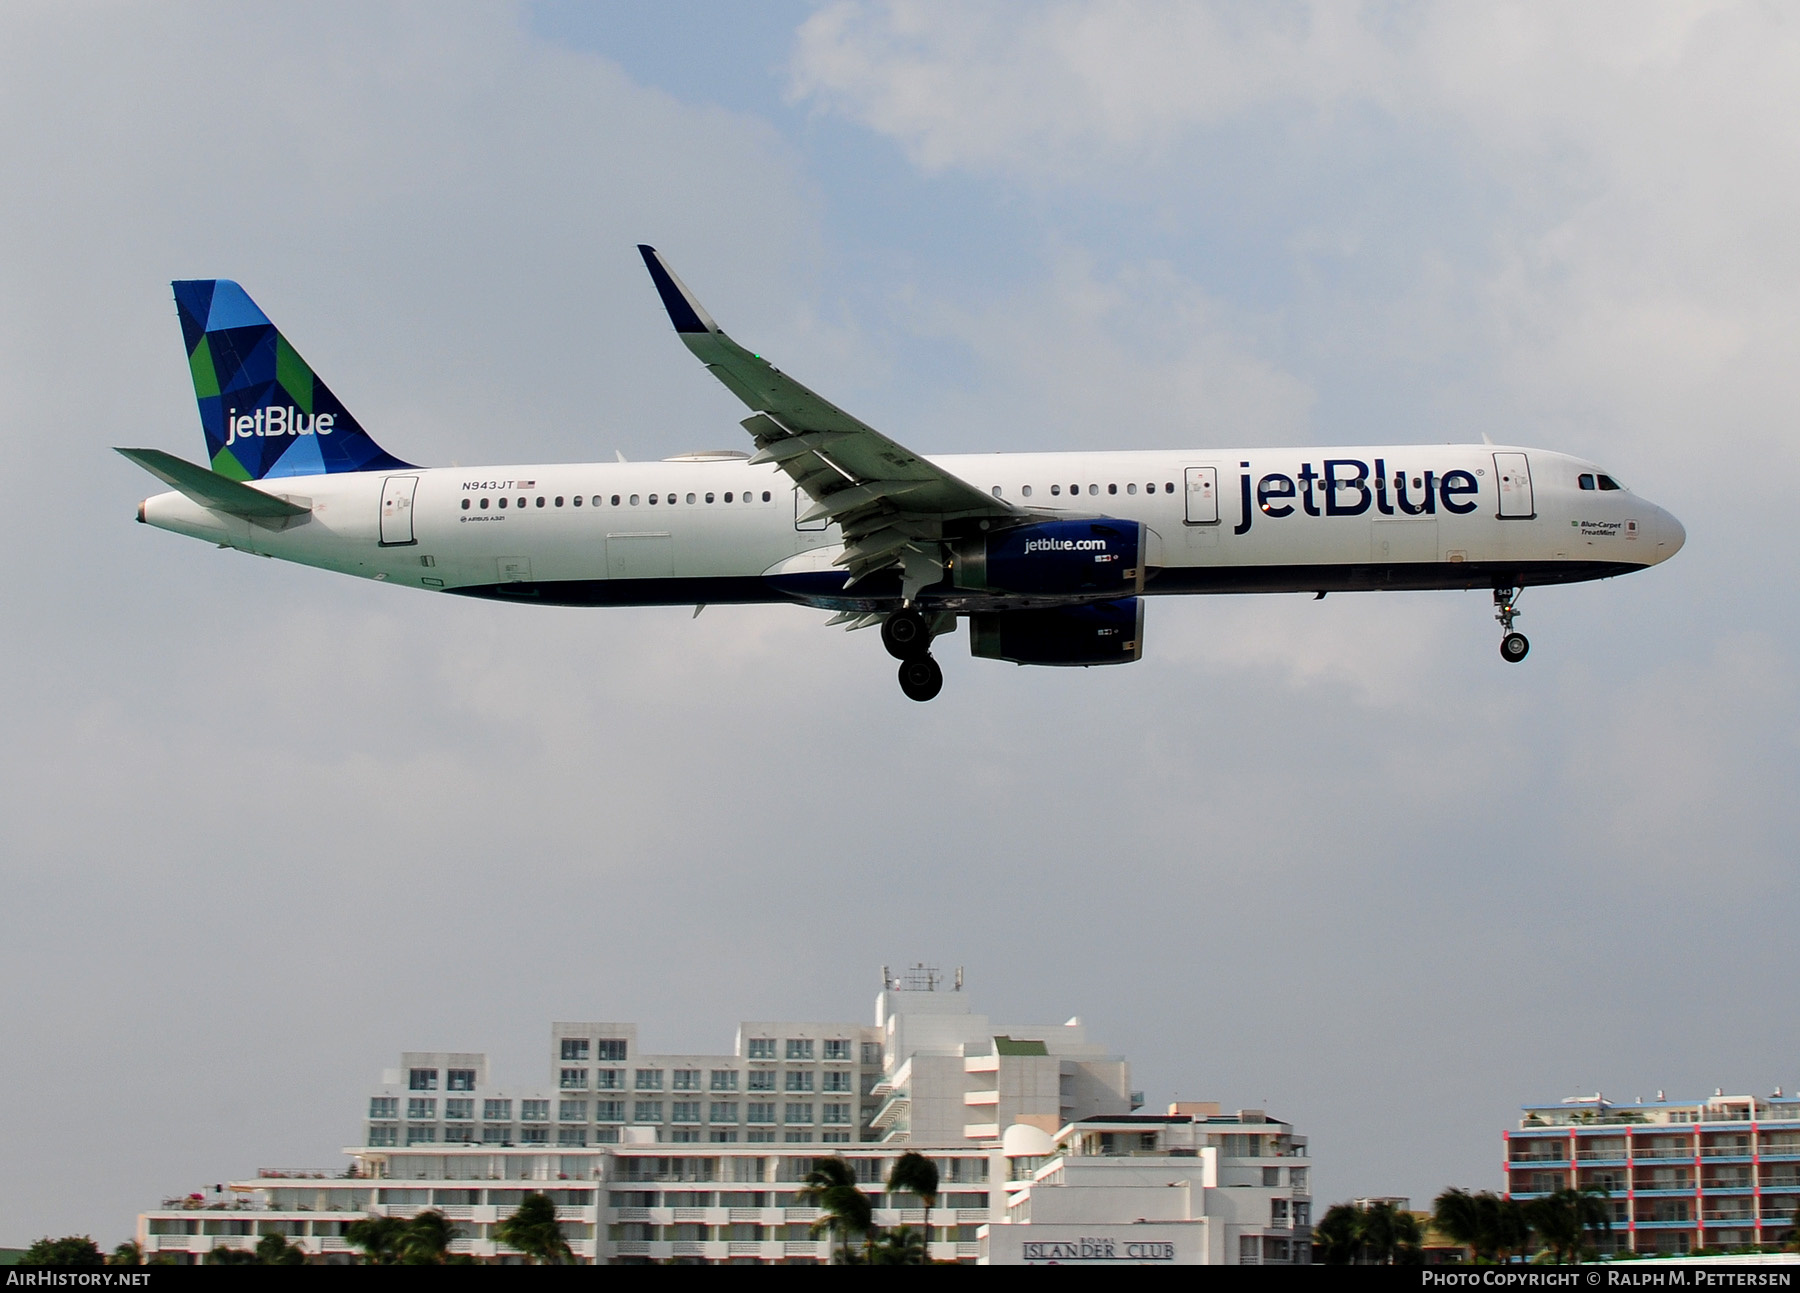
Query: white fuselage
point(589, 533)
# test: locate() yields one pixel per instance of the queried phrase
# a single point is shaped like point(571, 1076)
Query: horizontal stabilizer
point(210, 489)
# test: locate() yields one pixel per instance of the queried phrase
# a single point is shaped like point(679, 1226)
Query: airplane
point(1050, 557)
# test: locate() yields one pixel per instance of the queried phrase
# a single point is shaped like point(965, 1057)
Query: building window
point(382, 1135)
point(1303, 1213)
point(759, 1137)
point(421, 1080)
point(606, 1135)
point(534, 1136)
point(723, 1136)
point(1297, 1179)
point(684, 1111)
point(838, 1081)
point(534, 1111)
point(649, 1079)
point(421, 1135)
point(686, 1080)
point(384, 1106)
point(459, 1135)
point(574, 1079)
point(762, 1079)
point(571, 1136)
point(572, 1111)
point(760, 1111)
point(724, 1079)
point(837, 1050)
point(871, 1054)
point(1271, 1176)
point(609, 1111)
point(723, 1111)
point(459, 1110)
point(609, 1079)
point(797, 1112)
point(494, 1135)
point(647, 1111)
point(1278, 1213)
point(496, 1110)
point(799, 1080)
point(836, 1113)
point(800, 1048)
point(459, 1080)
point(422, 1110)
point(611, 1049)
point(761, 1048)
point(686, 1135)
point(798, 1137)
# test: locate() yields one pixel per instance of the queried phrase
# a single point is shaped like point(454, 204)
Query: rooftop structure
point(1716, 1173)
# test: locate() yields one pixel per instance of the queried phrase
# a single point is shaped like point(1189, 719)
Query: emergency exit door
point(1512, 476)
point(396, 511)
point(1202, 495)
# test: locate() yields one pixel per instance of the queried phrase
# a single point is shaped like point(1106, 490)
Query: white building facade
point(697, 1157)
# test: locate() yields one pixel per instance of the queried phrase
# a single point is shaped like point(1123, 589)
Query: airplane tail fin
point(262, 410)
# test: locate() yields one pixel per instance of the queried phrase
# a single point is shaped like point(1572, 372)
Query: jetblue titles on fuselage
point(1346, 488)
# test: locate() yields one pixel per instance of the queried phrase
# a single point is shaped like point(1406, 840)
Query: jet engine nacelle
point(1093, 633)
point(1075, 558)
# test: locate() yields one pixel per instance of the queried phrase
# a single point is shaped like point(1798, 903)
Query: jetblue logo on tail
point(276, 420)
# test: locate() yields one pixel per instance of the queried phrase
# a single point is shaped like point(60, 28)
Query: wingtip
point(684, 311)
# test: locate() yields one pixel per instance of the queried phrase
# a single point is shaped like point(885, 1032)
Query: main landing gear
point(907, 636)
point(1513, 645)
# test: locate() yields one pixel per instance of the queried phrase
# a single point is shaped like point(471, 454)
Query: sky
point(262, 828)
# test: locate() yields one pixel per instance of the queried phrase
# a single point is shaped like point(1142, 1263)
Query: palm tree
point(532, 1229)
point(1564, 1219)
point(273, 1250)
point(844, 1210)
point(902, 1247)
point(378, 1237)
point(1388, 1236)
point(1338, 1236)
point(127, 1254)
point(1494, 1228)
point(426, 1241)
point(913, 1171)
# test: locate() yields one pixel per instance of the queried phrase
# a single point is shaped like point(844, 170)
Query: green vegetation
point(1377, 1235)
point(532, 1229)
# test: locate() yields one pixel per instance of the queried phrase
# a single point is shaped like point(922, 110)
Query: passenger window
point(690, 498)
point(1131, 488)
point(1150, 488)
point(727, 496)
point(1093, 489)
point(996, 491)
point(1607, 482)
point(634, 500)
point(1417, 483)
point(540, 500)
point(709, 498)
point(1057, 490)
point(1025, 490)
point(521, 502)
point(765, 496)
point(1112, 489)
point(1585, 480)
point(615, 500)
point(465, 505)
point(503, 502)
point(559, 500)
point(1074, 489)
point(577, 500)
point(1169, 487)
point(484, 504)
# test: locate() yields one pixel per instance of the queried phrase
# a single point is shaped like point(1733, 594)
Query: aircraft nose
point(1670, 535)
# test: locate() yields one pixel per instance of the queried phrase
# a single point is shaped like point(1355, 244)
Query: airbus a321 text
point(1049, 556)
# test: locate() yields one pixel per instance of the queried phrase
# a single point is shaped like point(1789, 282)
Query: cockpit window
point(1585, 480)
point(1607, 482)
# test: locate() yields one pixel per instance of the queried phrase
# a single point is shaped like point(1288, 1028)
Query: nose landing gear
point(1513, 645)
point(907, 636)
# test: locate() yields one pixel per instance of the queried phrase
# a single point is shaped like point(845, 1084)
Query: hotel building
point(701, 1157)
point(1679, 1175)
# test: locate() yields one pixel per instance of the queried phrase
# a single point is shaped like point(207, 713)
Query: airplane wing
point(891, 504)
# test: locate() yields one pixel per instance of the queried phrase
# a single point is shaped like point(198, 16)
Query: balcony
point(1642, 1152)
